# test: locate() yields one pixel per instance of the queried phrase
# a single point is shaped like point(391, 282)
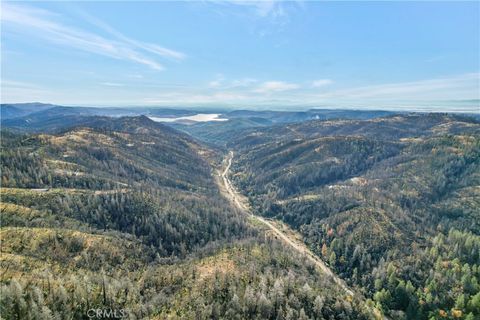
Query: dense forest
point(125, 214)
point(395, 212)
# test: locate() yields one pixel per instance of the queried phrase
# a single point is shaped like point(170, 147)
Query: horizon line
point(474, 109)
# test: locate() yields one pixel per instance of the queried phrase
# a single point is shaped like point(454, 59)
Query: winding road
point(240, 202)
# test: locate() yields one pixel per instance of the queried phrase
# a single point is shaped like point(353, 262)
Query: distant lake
point(200, 117)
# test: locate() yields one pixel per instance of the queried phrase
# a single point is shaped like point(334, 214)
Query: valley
point(292, 241)
point(286, 235)
point(239, 160)
point(300, 219)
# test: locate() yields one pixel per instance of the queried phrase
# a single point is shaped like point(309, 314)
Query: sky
point(243, 54)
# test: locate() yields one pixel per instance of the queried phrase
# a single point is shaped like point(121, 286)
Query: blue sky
point(268, 54)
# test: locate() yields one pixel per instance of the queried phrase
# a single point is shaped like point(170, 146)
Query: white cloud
point(269, 8)
point(321, 83)
point(261, 8)
point(264, 17)
point(153, 48)
point(112, 84)
point(218, 82)
point(44, 24)
point(18, 84)
point(17, 91)
point(161, 51)
point(245, 82)
point(215, 84)
point(276, 86)
point(466, 86)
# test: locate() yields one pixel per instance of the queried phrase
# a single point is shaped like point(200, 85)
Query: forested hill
point(106, 153)
point(119, 166)
point(392, 204)
point(386, 128)
point(125, 214)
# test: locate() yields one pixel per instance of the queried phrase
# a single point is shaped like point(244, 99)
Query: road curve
point(240, 203)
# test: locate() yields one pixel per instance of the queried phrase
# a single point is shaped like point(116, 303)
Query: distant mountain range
point(37, 117)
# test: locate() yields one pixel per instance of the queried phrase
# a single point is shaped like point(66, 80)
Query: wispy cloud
point(321, 83)
point(264, 8)
point(150, 47)
point(455, 87)
point(268, 8)
point(263, 17)
point(215, 84)
point(275, 86)
point(19, 91)
point(46, 25)
point(18, 84)
point(218, 82)
point(242, 83)
point(112, 84)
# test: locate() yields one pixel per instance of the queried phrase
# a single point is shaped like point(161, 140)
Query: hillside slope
point(125, 214)
point(373, 198)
